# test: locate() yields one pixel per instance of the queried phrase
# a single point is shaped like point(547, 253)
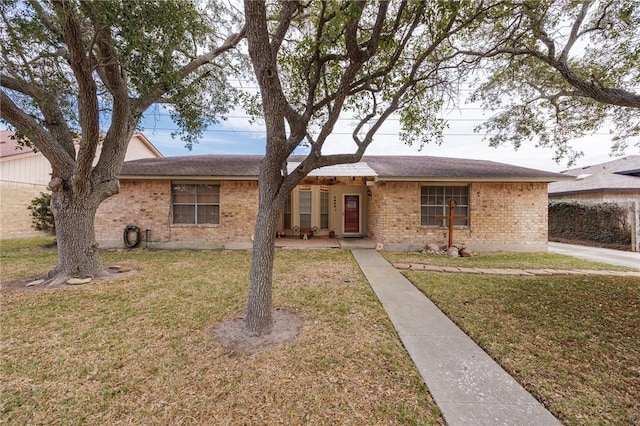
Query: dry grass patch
point(140, 350)
point(574, 342)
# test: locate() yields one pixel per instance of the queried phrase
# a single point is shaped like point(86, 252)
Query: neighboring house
point(212, 201)
point(24, 174)
point(616, 181)
point(613, 181)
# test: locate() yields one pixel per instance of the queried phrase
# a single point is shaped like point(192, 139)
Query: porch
point(326, 243)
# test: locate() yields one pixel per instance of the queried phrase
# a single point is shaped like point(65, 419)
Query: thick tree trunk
point(259, 306)
point(272, 193)
point(77, 248)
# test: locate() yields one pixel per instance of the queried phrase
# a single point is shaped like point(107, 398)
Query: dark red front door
point(351, 214)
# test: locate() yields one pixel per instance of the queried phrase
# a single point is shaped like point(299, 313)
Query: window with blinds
point(195, 204)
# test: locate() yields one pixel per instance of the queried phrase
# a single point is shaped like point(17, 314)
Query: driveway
point(613, 257)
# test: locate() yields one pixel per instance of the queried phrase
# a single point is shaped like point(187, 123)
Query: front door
point(351, 214)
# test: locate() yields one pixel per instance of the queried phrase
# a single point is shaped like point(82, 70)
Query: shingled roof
point(9, 147)
point(621, 175)
point(443, 168)
point(381, 168)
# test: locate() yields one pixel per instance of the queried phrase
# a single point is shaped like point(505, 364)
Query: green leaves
point(560, 70)
point(145, 45)
point(41, 216)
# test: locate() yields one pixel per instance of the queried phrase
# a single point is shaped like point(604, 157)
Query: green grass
point(574, 342)
point(18, 244)
point(140, 349)
point(26, 257)
point(504, 260)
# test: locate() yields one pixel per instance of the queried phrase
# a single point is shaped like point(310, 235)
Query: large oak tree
point(77, 74)
point(559, 70)
point(315, 61)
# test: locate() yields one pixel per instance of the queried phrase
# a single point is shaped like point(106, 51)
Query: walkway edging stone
point(414, 266)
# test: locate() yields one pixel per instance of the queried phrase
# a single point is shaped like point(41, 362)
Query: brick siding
point(147, 205)
point(503, 216)
point(15, 218)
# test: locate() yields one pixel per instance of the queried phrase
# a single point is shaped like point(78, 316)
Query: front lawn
point(140, 350)
point(573, 342)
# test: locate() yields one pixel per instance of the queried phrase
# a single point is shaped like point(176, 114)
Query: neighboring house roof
point(377, 167)
point(9, 147)
point(621, 175)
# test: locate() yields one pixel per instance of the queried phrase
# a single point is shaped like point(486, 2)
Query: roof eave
point(459, 179)
point(594, 190)
point(187, 177)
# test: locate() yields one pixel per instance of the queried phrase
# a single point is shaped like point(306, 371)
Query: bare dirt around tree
point(233, 335)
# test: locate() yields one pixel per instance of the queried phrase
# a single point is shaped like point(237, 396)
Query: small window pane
point(208, 194)
point(208, 214)
point(184, 194)
point(287, 212)
point(324, 210)
point(184, 214)
point(305, 221)
point(305, 209)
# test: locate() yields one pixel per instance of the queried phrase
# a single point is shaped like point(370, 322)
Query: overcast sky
point(237, 136)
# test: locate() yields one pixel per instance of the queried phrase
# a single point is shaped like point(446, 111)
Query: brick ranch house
point(211, 201)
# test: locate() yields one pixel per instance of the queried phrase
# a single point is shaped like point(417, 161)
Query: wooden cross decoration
point(451, 217)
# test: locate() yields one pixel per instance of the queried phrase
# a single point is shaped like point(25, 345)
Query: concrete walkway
point(468, 386)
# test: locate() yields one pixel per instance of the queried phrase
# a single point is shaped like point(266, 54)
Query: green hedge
point(596, 223)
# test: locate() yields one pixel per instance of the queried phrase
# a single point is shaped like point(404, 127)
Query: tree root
point(54, 279)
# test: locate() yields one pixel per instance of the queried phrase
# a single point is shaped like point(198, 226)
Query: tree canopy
point(79, 74)
point(559, 70)
point(367, 60)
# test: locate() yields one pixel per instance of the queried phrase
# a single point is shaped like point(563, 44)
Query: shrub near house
point(604, 224)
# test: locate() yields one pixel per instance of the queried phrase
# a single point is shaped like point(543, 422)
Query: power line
point(247, 117)
point(262, 132)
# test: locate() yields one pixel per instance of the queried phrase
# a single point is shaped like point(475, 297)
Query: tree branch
point(156, 93)
point(88, 109)
point(27, 125)
point(54, 119)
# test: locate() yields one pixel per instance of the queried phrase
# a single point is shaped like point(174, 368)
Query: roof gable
point(9, 146)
